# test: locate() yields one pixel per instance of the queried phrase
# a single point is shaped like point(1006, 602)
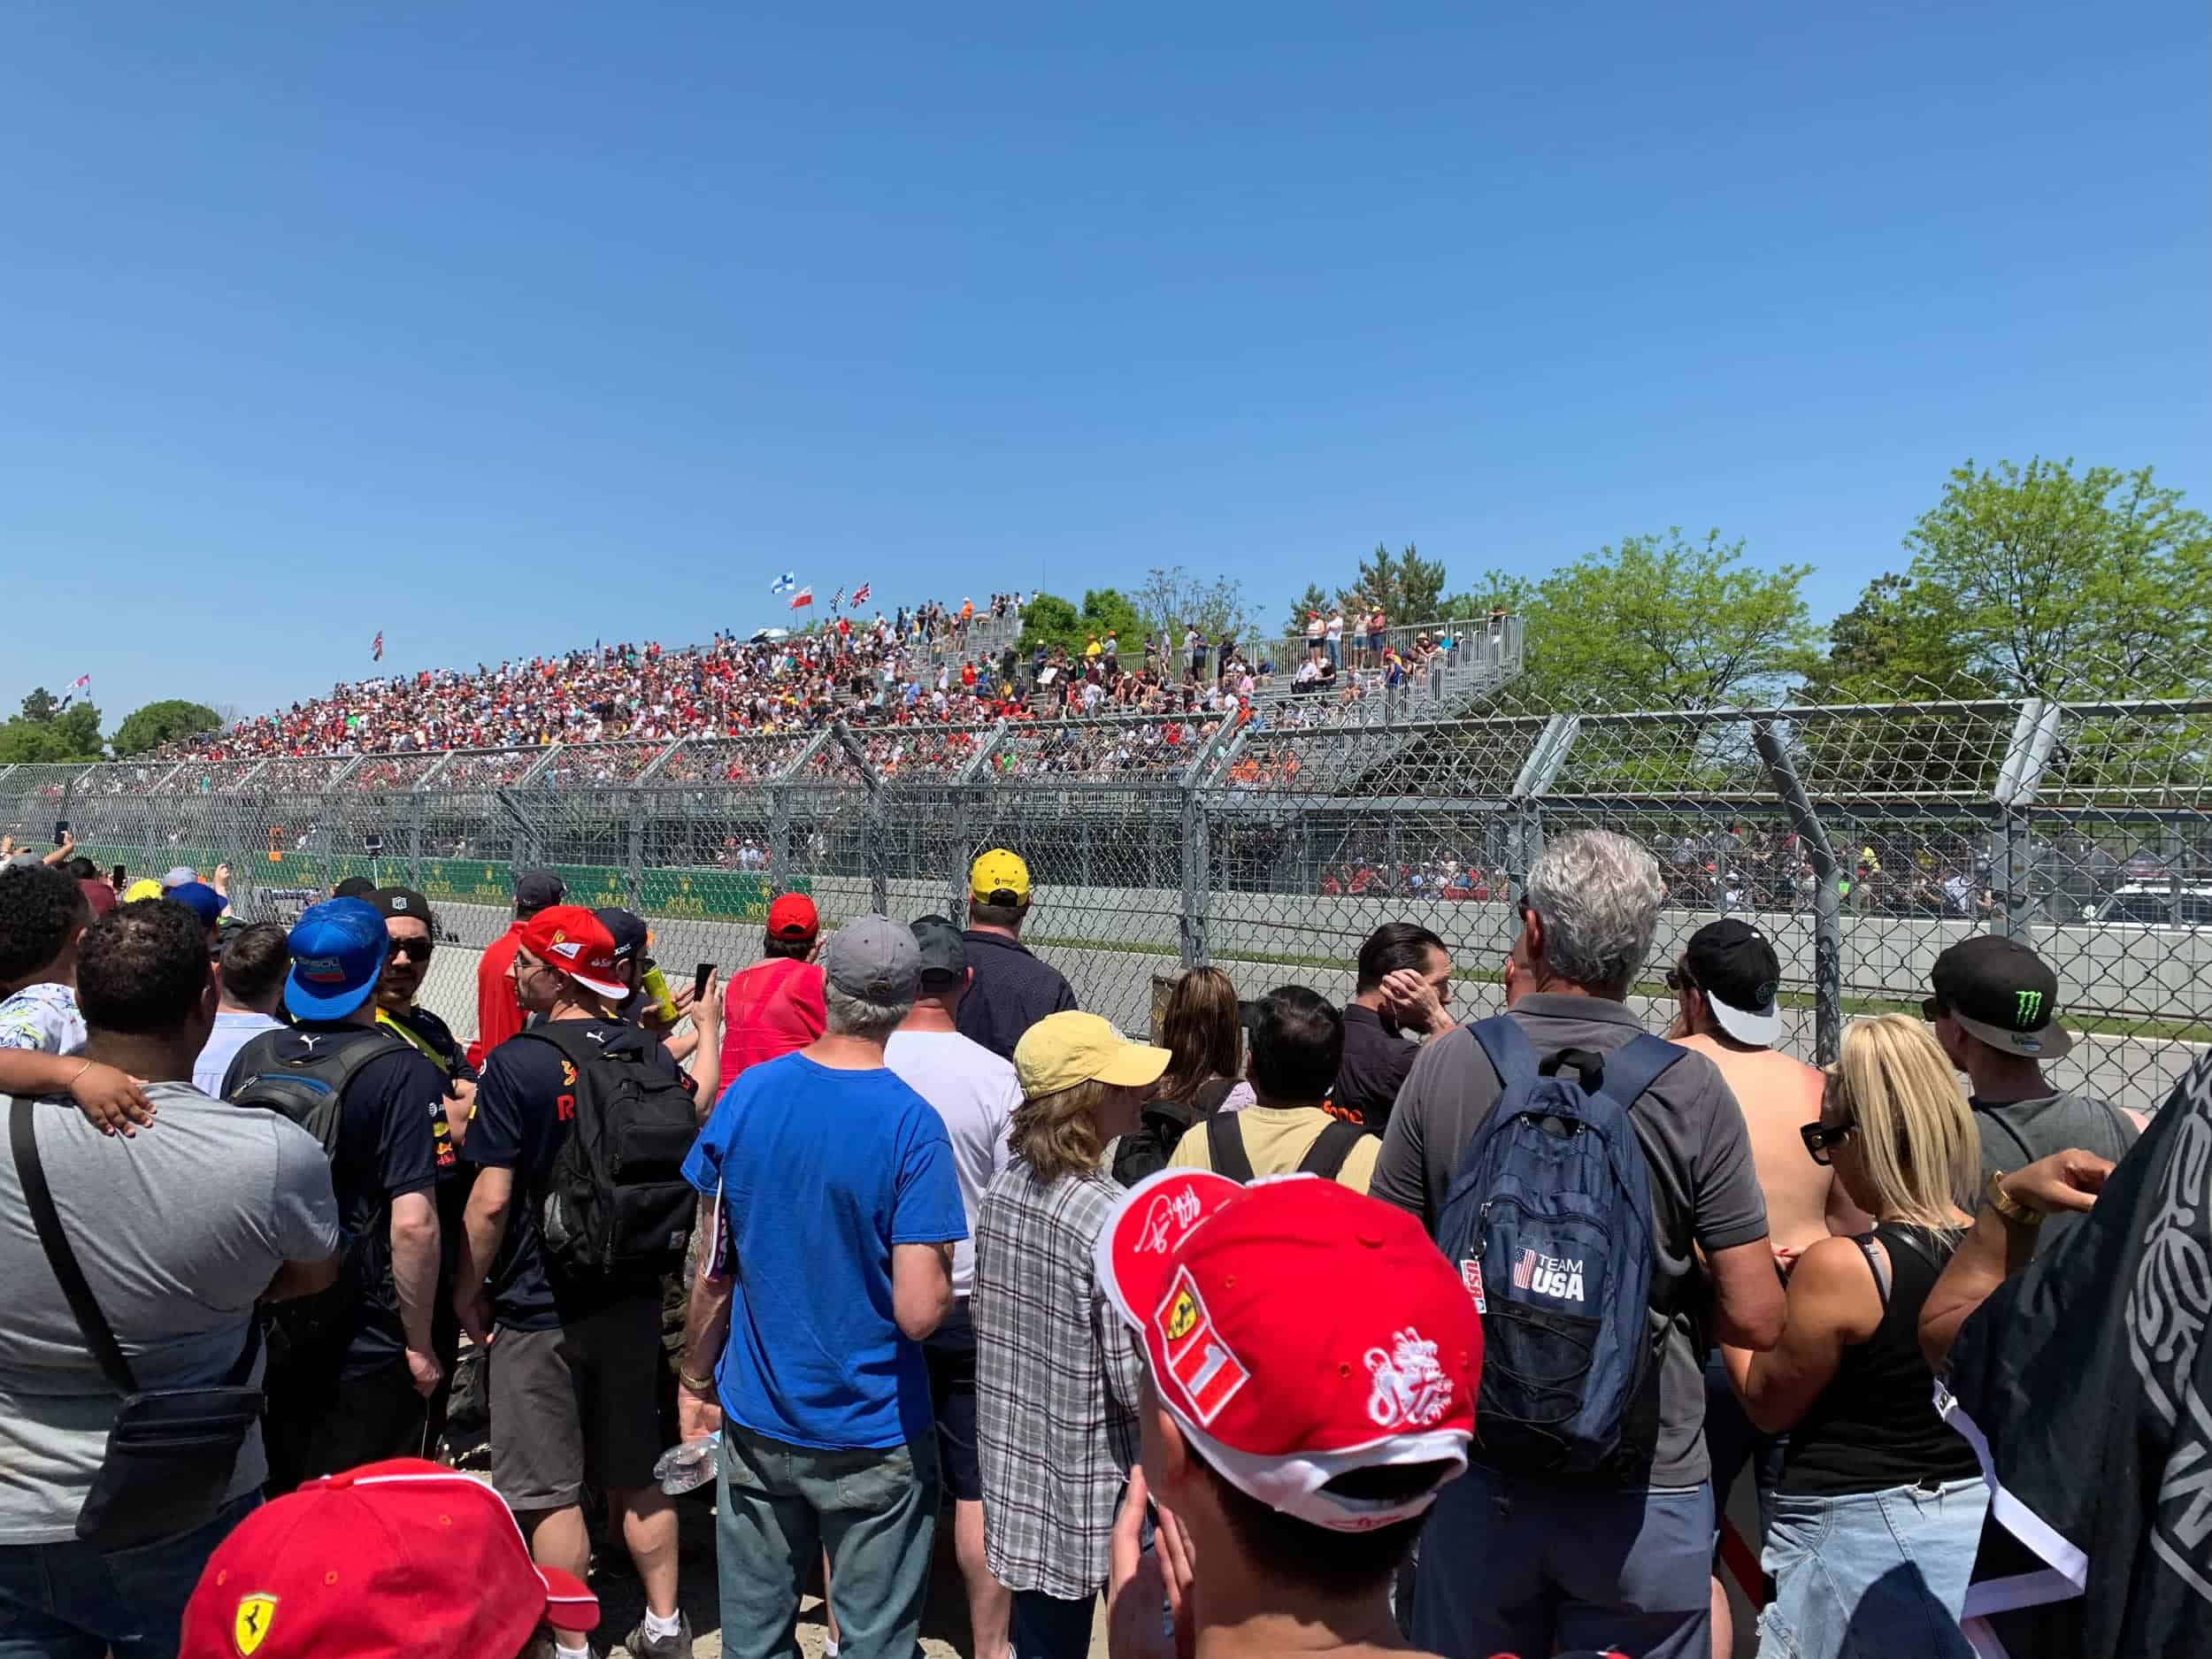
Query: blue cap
point(204, 901)
point(338, 950)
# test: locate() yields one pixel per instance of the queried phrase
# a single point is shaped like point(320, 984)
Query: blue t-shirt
point(821, 1172)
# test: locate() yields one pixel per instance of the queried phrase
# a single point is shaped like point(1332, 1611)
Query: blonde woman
point(1056, 1372)
point(1871, 1535)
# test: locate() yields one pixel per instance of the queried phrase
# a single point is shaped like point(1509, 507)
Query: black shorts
point(950, 1354)
point(318, 1423)
point(585, 1396)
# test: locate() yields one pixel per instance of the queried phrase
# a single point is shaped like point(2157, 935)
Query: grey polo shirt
point(1704, 1187)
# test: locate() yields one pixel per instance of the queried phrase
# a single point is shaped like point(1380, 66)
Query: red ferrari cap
point(399, 1557)
point(1280, 1389)
point(576, 943)
point(794, 916)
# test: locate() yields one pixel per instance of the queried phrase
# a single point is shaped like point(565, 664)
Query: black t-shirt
point(1010, 992)
point(392, 1137)
point(519, 1126)
point(434, 1034)
point(1373, 1070)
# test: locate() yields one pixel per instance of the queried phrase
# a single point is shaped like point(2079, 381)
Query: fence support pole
point(1827, 902)
point(414, 842)
point(2034, 739)
point(633, 862)
point(875, 820)
point(1193, 931)
point(1524, 818)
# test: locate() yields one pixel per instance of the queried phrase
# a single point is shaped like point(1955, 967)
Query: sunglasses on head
point(413, 950)
point(1821, 1139)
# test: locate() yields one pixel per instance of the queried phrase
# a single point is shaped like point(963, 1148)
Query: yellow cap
point(144, 887)
point(1060, 1050)
point(999, 871)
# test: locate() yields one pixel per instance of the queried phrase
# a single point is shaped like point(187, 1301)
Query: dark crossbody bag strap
point(23, 1137)
point(31, 1170)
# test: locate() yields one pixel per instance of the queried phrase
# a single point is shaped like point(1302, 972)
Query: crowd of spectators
point(1041, 1270)
point(935, 665)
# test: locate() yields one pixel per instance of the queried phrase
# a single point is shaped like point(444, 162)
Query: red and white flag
point(376, 646)
point(860, 596)
point(804, 596)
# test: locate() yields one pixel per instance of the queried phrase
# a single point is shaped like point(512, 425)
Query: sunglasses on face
point(1931, 1009)
point(1676, 979)
point(413, 950)
point(1821, 1139)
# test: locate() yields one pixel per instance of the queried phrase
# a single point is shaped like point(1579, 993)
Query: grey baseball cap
point(944, 952)
point(179, 876)
point(874, 958)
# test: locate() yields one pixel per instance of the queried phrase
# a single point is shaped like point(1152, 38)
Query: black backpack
point(1325, 1157)
point(311, 1089)
point(616, 1203)
point(1145, 1149)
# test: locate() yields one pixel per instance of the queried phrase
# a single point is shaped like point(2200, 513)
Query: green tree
point(41, 705)
point(1408, 587)
point(1173, 599)
point(1050, 620)
point(2062, 583)
point(1660, 622)
point(1315, 598)
point(1493, 588)
point(1896, 642)
point(162, 722)
point(67, 736)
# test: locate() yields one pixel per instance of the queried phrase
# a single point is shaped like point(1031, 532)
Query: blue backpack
point(1549, 1222)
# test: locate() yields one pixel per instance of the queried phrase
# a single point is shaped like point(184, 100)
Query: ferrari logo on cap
point(250, 1628)
point(1182, 1313)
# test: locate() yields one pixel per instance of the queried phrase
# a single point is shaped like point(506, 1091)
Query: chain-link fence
point(1862, 839)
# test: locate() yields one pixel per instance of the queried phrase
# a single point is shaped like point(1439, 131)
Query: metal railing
point(1862, 839)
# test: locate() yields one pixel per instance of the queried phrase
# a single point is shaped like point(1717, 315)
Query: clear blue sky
point(501, 327)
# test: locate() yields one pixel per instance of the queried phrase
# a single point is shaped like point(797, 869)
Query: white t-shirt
point(975, 1093)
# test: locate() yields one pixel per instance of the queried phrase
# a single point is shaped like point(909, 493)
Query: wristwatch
point(2011, 1208)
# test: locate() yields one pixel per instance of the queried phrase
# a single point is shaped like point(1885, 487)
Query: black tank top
point(1875, 1425)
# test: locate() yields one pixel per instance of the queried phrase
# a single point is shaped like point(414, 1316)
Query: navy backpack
point(1549, 1222)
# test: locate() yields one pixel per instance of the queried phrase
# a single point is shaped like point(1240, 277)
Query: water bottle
point(688, 1464)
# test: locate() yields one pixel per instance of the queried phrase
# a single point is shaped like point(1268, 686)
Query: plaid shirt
point(1056, 1383)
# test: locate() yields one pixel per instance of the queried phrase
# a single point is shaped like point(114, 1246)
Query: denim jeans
point(778, 1505)
point(70, 1601)
point(1524, 1567)
point(1051, 1626)
point(1876, 1573)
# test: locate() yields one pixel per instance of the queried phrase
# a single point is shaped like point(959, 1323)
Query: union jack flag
point(376, 646)
point(860, 596)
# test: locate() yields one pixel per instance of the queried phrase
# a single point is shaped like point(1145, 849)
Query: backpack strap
point(1632, 1068)
point(1327, 1155)
point(1865, 1242)
point(1507, 1048)
point(1225, 1145)
point(355, 1056)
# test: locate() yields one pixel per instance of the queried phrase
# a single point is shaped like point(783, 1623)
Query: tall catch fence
point(1862, 839)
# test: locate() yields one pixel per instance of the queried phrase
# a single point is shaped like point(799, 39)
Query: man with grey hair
point(831, 1182)
point(1512, 1561)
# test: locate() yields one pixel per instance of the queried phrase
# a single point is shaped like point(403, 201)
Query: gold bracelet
point(2009, 1207)
point(82, 1069)
point(703, 1387)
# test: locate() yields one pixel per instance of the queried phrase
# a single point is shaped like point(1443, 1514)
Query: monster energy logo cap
point(2002, 993)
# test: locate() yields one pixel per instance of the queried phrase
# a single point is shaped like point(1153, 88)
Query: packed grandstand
point(936, 665)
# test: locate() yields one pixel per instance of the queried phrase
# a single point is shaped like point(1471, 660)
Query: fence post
point(1827, 902)
point(1525, 820)
point(414, 840)
point(2034, 738)
point(874, 821)
point(634, 871)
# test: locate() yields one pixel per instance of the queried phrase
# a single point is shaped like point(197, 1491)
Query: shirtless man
point(1725, 984)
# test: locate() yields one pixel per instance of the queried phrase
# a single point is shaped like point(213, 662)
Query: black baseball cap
point(354, 887)
point(1733, 964)
point(629, 931)
point(944, 952)
point(2001, 992)
point(538, 890)
point(392, 902)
